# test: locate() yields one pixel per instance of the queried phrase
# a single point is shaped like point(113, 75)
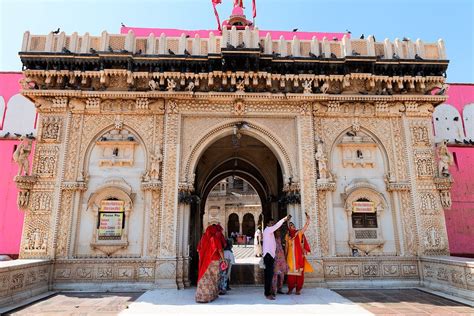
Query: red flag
point(214, 3)
point(254, 9)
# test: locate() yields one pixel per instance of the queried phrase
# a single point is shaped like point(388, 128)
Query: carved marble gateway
point(131, 142)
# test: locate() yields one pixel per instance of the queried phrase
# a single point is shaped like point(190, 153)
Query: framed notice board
point(111, 220)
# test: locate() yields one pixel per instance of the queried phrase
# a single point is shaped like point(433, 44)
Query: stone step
point(246, 274)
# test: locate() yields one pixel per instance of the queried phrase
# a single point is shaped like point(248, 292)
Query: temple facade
point(135, 131)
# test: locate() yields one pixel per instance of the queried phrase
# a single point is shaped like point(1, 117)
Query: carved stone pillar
point(166, 265)
point(70, 194)
point(152, 236)
point(430, 222)
point(326, 221)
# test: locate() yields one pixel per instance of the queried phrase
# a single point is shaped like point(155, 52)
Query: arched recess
point(233, 225)
point(447, 123)
point(248, 225)
point(380, 145)
point(253, 130)
point(118, 191)
point(2, 111)
point(219, 157)
point(20, 115)
point(96, 166)
point(85, 160)
point(468, 118)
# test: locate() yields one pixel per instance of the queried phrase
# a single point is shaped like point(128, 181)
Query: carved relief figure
point(152, 84)
point(432, 238)
point(307, 87)
point(51, 126)
point(240, 86)
point(190, 86)
point(171, 85)
point(21, 154)
point(155, 165)
point(445, 159)
point(322, 162)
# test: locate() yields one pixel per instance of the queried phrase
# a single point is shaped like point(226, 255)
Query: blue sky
point(452, 20)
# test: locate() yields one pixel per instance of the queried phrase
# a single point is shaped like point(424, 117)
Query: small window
point(364, 214)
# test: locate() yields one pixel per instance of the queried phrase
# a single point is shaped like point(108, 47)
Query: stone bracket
point(24, 185)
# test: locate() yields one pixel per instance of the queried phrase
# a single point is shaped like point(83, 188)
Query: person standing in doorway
point(257, 242)
point(296, 249)
point(269, 249)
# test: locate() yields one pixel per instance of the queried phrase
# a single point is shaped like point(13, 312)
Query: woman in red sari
point(210, 250)
point(296, 249)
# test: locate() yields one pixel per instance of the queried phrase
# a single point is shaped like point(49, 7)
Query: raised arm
point(305, 225)
point(277, 225)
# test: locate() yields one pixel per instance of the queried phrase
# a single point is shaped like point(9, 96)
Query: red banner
point(254, 9)
point(214, 3)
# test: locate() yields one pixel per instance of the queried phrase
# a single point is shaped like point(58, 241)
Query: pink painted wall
point(288, 35)
point(460, 218)
point(11, 218)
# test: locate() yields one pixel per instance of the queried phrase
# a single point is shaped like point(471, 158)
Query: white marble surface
point(244, 301)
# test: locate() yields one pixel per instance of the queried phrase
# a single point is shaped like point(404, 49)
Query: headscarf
point(209, 244)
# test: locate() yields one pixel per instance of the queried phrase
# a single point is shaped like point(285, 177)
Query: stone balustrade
point(449, 275)
point(22, 279)
point(233, 38)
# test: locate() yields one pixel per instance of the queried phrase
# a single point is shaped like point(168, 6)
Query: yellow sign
point(111, 217)
point(363, 207)
point(111, 206)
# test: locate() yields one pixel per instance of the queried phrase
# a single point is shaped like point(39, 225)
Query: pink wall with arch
point(17, 115)
point(460, 218)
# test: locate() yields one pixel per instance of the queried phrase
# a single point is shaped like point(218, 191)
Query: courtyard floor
point(249, 301)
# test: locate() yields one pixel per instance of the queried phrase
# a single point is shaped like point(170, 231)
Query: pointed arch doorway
point(236, 155)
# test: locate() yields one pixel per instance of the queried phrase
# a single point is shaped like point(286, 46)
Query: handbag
point(261, 263)
point(223, 265)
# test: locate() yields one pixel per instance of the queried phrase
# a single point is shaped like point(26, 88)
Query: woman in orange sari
point(296, 249)
point(210, 250)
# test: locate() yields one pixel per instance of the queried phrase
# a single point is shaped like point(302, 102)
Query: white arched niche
point(468, 117)
point(447, 123)
point(20, 116)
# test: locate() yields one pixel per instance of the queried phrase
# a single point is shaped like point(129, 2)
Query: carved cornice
point(324, 185)
point(443, 183)
point(25, 182)
point(229, 103)
point(74, 186)
point(151, 186)
point(398, 186)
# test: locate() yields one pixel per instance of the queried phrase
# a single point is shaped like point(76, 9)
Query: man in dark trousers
point(269, 248)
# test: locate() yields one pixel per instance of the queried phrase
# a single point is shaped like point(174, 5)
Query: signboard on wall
point(111, 219)
point(363, 207)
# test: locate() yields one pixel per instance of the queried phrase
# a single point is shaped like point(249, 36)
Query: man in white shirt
point(269, 248)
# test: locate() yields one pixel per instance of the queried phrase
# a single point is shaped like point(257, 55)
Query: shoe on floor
point(270, 297)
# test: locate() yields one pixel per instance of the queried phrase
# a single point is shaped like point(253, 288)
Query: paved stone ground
point(244, 301)
point(249, 301)
point(79, 304)
point(405, 302)
point(244, 254)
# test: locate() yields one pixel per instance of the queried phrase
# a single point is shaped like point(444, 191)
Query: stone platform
point(244, 301)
